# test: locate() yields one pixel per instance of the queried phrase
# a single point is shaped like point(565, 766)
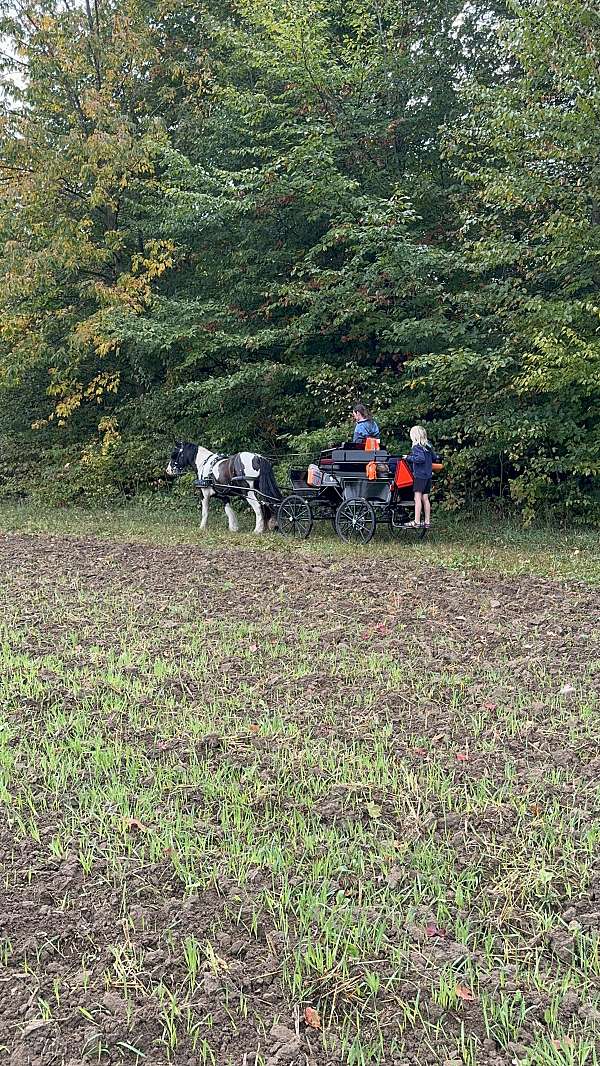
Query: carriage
point(355, 490)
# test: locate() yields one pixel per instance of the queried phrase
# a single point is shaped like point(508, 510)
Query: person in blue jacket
point(365, 425)
point(420, 459)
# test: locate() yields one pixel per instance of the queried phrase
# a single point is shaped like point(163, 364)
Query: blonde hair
point(418, 435)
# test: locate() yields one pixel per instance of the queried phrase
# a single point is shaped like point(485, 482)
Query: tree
point(231, 222)
point(528, 153)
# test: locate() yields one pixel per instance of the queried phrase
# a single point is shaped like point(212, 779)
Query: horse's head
point(182, 458)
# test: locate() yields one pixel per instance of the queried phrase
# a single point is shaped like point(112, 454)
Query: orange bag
point(372, 470)
point(314, 476)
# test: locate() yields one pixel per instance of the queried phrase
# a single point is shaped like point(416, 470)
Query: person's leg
point(427, 508)
point(418, 504)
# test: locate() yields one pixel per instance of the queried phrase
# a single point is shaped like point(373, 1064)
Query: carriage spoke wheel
point(294, 517)
point(355, 521)
point(398, 525)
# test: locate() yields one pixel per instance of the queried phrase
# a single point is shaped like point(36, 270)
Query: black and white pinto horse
point(244, 474)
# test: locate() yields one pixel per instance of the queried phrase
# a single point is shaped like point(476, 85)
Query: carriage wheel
point(355, 521)
point(398, 527)
point(294, 517)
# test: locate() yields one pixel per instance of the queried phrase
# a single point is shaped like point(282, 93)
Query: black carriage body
point(347, 497)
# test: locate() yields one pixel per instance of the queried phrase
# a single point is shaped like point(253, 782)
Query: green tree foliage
point(227, 222)
point(527, 155)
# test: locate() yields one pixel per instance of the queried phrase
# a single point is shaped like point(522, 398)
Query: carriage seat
point(299, 478)
point(352, 461)
point(326, 456)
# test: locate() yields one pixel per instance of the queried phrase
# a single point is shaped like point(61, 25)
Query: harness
point(205, 477)
point(238, 485)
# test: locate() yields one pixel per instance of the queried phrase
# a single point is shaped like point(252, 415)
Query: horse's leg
point(231, 518)
point(206, 495)
point(255, 505)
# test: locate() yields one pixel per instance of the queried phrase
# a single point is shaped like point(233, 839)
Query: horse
point(223, 477)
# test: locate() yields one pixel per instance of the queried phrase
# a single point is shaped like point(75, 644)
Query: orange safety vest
point(372, 445)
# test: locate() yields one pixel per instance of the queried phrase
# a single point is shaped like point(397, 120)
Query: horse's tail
point(268, 487)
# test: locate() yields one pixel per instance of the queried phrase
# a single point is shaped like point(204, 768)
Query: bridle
point(176, 466)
